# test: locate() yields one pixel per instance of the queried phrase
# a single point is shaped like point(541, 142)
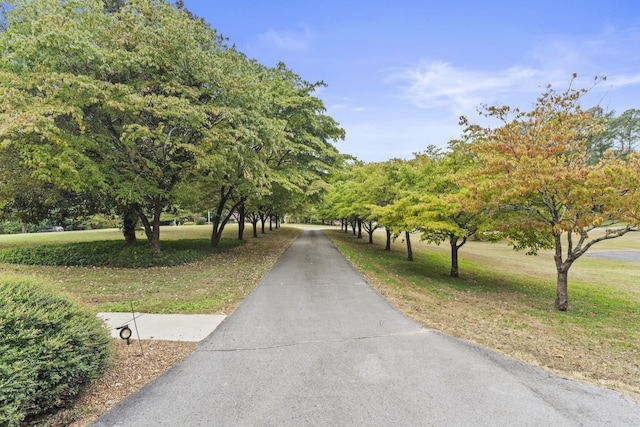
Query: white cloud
point(438, 84)
point(291, 41)
point(342, 103)
point(622, 80)
point(611, 52)
point(335, 107)
point(551, 60)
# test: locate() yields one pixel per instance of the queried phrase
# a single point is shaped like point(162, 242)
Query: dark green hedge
point(113, 253)
point(49, 348)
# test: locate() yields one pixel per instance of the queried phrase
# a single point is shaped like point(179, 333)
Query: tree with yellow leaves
point(538, 177)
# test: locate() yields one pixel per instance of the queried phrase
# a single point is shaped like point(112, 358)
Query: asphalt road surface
point(617, 255)
point(315, 345)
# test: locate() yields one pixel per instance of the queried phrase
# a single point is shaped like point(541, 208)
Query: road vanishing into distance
point(315, 345)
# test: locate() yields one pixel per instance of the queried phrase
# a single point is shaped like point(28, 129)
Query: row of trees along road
point(141, 106)
point(543, 179)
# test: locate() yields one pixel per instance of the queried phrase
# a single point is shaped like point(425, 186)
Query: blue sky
point(400, 73)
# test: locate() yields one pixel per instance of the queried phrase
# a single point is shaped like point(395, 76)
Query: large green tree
point(47, 48)
point(401, 183)
point(370, 195)
point(346, 199)
point(279, 139)
point(386, 181)
point(115, 102)
point(233, 165)
point(440, 208)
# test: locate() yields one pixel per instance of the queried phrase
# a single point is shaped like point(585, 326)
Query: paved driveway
point(315, 345)
point(617, 255)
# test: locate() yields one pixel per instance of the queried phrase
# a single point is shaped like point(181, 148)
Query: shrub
point(10, 227)
point(49, 348)
point(103, 221)
point(201, 221)
point(114, 253)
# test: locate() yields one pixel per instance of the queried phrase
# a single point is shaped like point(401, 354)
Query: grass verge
point(504, 300)
point(212, 283)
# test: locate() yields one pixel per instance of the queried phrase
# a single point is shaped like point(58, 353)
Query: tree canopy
point(139, 100)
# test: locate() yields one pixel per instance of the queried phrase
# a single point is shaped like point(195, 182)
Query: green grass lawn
point(166, 233)
point(209, 283)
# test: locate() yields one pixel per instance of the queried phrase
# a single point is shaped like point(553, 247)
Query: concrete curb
point(166, 327)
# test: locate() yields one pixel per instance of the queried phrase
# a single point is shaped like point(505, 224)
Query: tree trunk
point(263, 220)
point(218, 226)
point(388, 246)
point(154, 243)
point(129, 221)
point(359, 229)
point(220, 220)
point(407, 237)
point(454, 257)
point(254, 223)
point(455, 248)
point(241, 218)
point(151, 230)
point(562, 268)
point(270, 222)
point(157, 211)
point(370, 231)
point(562, 293)
point(353, 226)
point(215, 238)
